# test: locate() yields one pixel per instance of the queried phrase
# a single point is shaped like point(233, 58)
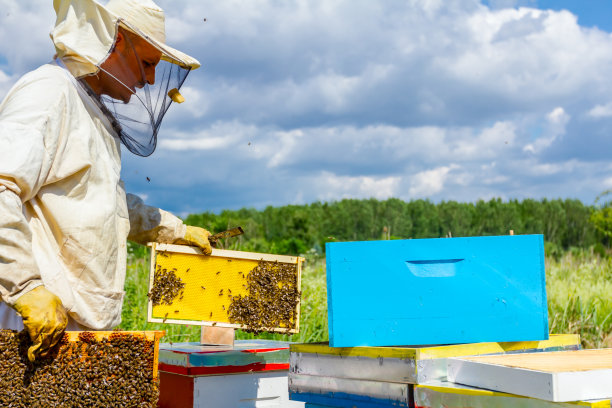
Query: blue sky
point(299, 101)
point(590, 13)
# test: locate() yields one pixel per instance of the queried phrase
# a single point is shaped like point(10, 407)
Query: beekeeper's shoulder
point(49, 82)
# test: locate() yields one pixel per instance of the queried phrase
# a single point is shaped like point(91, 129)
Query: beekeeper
point(64, 214)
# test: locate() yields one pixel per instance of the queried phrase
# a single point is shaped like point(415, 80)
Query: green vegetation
point(578, 286)
point(296, 229)
point(578, 264)
point(601, 217)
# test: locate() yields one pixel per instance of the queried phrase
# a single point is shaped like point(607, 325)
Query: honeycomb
point(86, 369)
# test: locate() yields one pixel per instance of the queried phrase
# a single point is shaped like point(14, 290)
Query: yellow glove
point(44, 317)
point(196, 236)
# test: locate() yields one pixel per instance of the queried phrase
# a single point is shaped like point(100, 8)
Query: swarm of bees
point(166, 287)
point(113, 372)
point(272, 299)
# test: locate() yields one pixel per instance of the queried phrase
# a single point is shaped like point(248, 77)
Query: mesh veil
point(137, 92)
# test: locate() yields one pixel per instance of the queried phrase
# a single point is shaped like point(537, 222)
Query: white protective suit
point(64, 214)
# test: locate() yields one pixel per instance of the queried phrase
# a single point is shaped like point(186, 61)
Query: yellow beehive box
point(233, 289)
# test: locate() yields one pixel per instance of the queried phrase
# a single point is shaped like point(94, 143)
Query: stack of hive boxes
point(446, 299)
point(393, 376)
point(249, 374)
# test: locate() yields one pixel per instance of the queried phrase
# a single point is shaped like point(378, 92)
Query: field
point(579, 284)
point(579, 287)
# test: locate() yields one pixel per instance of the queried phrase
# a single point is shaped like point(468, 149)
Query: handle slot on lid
point(438, 268)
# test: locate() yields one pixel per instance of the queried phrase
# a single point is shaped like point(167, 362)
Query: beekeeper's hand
point(44, 317)
point(196, 236)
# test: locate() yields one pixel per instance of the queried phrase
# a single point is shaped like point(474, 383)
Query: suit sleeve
point(151, 224)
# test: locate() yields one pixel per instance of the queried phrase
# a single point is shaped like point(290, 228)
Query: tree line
point(299, 229)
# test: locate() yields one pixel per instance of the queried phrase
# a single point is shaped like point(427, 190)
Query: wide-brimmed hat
point(85, 32)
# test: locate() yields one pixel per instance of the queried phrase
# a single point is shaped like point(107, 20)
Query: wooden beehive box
point(93, 369)
point(451, 395)
point(559, 376)
point(232, 289)
point(406, 364)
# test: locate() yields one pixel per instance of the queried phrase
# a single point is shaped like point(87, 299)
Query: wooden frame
point(222, 253)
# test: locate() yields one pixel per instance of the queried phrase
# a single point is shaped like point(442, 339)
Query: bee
point(214, 323)
point(218, 273)
point(210, 314)
point(229, 290)
point(202, 287)
point(187, 270)
point(176, 311)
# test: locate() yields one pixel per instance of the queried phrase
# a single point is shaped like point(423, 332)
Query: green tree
point(601, 216)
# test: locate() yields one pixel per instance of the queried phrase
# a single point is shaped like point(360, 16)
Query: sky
point(318, 100)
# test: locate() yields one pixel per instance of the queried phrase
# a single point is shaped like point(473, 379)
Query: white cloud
point(331, 186)
point(525, 53)
point(219, 136)
point(429, 182)
point(489, 143)
point(601, 111)
point(196, 102)
point(211, 143)
point(558, 116)
point(376, 147)
point(557, 120)
point(284, 147)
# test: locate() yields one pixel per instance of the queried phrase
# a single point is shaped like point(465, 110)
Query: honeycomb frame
point(210, 282)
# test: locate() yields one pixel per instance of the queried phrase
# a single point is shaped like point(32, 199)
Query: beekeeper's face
point(130, 65)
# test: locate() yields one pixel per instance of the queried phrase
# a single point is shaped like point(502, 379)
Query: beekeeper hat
point(85, 32)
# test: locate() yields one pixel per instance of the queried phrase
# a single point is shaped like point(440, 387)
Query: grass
point(579, 288)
